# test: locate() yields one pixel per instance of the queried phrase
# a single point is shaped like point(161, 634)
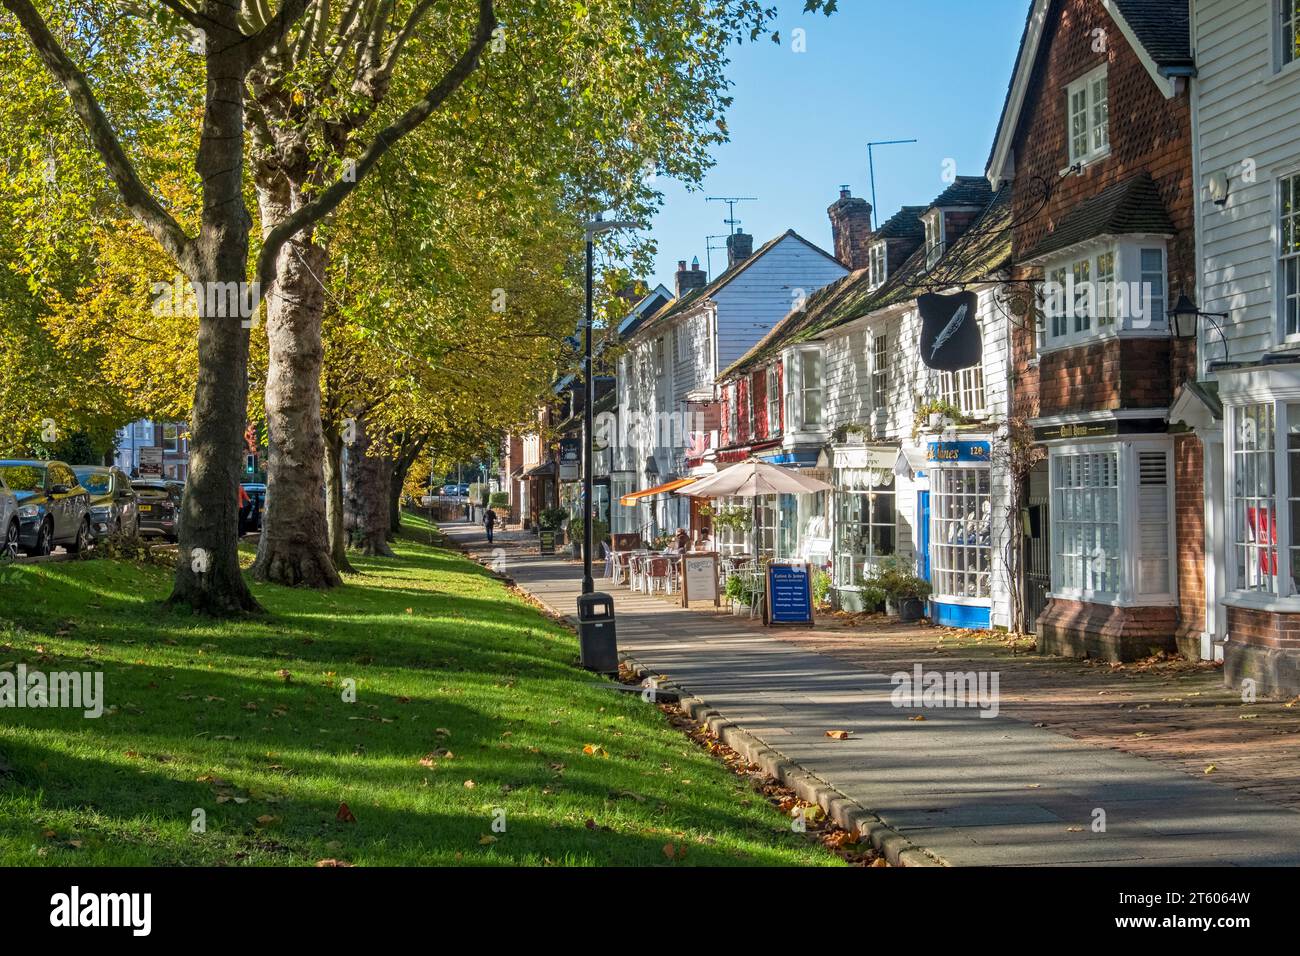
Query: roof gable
point(1158, 31)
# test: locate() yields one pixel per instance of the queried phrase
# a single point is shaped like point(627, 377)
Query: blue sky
point(931, 70)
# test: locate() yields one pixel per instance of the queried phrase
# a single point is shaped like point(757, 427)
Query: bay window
point(811, 388)
point(961, 532)
point(1112, 289)
point(1089, 117)
point(1112, 522)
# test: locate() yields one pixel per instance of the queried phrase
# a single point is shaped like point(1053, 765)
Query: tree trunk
point(208, 577)
point(369, 477)
point(334, 501)
point(294, 546)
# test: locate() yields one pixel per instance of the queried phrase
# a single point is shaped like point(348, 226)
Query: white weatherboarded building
point(667, 400)
point(1246, 404)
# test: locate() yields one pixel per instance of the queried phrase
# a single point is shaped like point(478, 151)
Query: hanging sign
point(570, 459)
point(789, 594)
point(700, 578)
point(950, 331)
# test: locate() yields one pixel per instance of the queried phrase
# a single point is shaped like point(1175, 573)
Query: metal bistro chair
point(756, 586)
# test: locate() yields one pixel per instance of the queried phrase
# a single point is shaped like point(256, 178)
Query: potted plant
point(739, 593)
point(895, 582)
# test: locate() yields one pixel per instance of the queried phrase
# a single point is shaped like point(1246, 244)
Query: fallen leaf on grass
point(486, 838)
point(332, 863)
point(470, 785)
point(595, 750)
point(345, 814)
point(266, 819)
point(675, 851)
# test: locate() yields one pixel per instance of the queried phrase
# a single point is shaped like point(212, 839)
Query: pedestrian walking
point(489, 522)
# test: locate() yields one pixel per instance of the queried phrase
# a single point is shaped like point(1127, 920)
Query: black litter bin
point(599, 646)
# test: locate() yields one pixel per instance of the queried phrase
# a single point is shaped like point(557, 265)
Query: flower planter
point(906, 610)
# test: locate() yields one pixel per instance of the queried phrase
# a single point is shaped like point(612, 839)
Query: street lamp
point(1185, 318)
point(592, 229)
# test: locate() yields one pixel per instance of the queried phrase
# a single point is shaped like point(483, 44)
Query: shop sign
point(959, 453)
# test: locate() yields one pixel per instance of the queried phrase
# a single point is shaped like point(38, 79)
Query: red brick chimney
point(690, 279)
point(851, 229)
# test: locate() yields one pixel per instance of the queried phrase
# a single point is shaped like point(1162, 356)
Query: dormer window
point(877, 263)
point(1089, 117)
point(933, 236)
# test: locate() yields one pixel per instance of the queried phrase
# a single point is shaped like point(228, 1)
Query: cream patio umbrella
point(754, 479)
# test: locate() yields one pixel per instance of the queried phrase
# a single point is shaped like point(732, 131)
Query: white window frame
point(1286, 19)
point(964, 389)
point(660, 357)
point(773, 400)
point(1102, 299)
point(1288, 263)
point(1130, 528)
point(805, 390)
point(934, 237)
point(943, 569)
point(1096, 126)
point(880, 370)
point(878, 264)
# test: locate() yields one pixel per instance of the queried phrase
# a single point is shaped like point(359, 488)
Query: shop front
point(866, 516)
point(959, 531)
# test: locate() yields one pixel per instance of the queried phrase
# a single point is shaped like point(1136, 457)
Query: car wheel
point(82, 541)
point(11, 540)
point(43, 540)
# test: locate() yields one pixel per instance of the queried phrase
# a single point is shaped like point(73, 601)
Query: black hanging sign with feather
point(950, 331)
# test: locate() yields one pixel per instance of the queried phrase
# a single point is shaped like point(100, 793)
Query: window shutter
point(1153, 523)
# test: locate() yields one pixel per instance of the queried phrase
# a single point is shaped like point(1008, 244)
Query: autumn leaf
point(332, 863)
point(345, 814)
point(595, 750)
point(838, 734)
point(675, 851)
point(486, 838)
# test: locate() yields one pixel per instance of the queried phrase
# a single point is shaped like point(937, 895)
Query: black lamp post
point(593, 229)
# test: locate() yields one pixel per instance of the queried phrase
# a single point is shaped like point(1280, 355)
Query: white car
point(8, 521)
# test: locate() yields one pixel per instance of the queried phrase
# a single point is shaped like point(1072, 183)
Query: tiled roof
point(681, 305)
point(979, 253)
point(965, 191)
point(1130, 206)
point(904, 224)
point(1162, 27)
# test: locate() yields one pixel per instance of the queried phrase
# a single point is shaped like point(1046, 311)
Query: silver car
point(112, 501)
point(8, 521)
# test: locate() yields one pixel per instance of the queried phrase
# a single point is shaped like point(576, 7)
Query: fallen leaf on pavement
point(838, 734)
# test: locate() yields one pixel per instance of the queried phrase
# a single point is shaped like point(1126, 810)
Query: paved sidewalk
point(968, 790)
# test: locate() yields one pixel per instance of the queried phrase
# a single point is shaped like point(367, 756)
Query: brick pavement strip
point(1022, 788)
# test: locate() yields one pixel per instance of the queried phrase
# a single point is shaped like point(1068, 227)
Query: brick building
point(1095, 140)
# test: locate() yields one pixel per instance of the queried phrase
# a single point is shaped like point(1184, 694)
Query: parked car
point(449, 491)
point(462, 491)
point(53, 508)
point(113, 507)
point(159, 500)
point(250, 515)
point(8, 521)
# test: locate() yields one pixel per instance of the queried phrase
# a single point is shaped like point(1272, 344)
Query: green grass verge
point(245, 720)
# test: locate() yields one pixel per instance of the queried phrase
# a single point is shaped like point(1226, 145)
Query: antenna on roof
point(731, 201)
point(710, 248)
point(872, 164)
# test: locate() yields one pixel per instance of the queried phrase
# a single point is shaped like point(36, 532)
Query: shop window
point(1112, 522)
point(961, 532)
point(1254, 528)
point(865, 521)
point(1086, 536)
